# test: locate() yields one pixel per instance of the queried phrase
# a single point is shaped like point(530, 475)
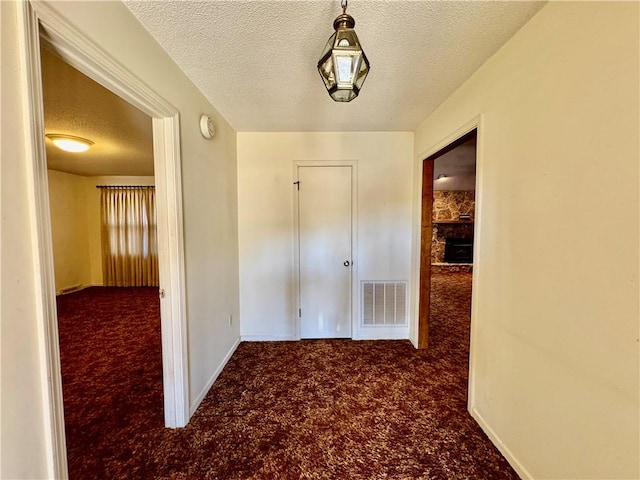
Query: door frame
point(295, 304)
point(426, 239)
point(477, 123)
point(80, 52)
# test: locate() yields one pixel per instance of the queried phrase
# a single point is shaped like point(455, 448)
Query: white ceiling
point(255, 60)
point(76, 105)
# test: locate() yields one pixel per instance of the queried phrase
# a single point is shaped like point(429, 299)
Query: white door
point(324, 229)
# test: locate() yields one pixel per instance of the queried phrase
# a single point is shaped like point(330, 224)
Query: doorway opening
point(39, 24)
point(447, 227)
point(102, 214)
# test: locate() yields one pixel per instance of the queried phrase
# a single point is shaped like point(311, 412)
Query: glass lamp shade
point(69, 143)
point(343, 65)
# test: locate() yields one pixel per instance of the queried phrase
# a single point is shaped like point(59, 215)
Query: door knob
point(346, 263)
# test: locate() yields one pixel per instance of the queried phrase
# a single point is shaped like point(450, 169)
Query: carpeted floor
point(110, 354)
point(325, 409)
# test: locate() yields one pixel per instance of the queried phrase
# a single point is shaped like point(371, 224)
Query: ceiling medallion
point(343, 65)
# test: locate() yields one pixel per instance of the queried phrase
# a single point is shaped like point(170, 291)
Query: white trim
point(168, 180)
point(355, 282)
point(42, 244)
point(500, 445)
point(295, 285)
point(452, 137)
point(476, 123)
point(209, 384)
point(269, 338)
point(478, 225)
point(84, 55)
point(80, 52)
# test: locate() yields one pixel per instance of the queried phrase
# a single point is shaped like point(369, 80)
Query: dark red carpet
point(326, 409)
point(111, 360)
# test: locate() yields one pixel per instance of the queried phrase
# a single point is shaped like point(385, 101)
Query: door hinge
point(297, 184)
point(300, 312)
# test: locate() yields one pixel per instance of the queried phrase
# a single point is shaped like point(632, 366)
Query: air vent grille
point(384, 303)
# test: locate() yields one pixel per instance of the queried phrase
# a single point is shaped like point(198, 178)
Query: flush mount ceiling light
point(343, 65)
point(441, 176)
point(69, 143)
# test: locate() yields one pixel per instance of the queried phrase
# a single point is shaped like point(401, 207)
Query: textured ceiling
point(459, 166)
point(76, 105)
point(255, 60)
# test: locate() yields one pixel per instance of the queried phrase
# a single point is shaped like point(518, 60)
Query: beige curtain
point(129, 238)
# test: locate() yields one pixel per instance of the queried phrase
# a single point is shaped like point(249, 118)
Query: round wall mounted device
point(207, 128)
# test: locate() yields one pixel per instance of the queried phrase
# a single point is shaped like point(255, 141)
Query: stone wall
point(447, 207)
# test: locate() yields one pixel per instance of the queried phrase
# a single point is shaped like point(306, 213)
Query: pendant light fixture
point(343, 65)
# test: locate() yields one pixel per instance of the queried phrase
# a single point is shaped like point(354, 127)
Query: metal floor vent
point(384, 303)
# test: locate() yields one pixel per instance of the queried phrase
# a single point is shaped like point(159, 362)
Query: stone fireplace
point(458, 250)
point(453, 214)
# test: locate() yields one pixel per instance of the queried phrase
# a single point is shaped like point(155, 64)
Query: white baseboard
point(506, 453)
point(382, 333)
point(268, 338)
point(373, 335)
point(205, 390)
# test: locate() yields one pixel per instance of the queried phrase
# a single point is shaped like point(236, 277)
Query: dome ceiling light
point(343, 65)
point(69, 143)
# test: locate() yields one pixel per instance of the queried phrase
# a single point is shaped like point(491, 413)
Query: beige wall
point(209, 184)
point(210, 224)
point(266, 224)
point(69, 230)
point(23, 437)
point(74, 203)
point(556, 350)
point(556, 345)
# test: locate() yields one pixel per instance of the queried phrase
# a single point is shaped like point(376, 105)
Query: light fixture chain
point(344, 6)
